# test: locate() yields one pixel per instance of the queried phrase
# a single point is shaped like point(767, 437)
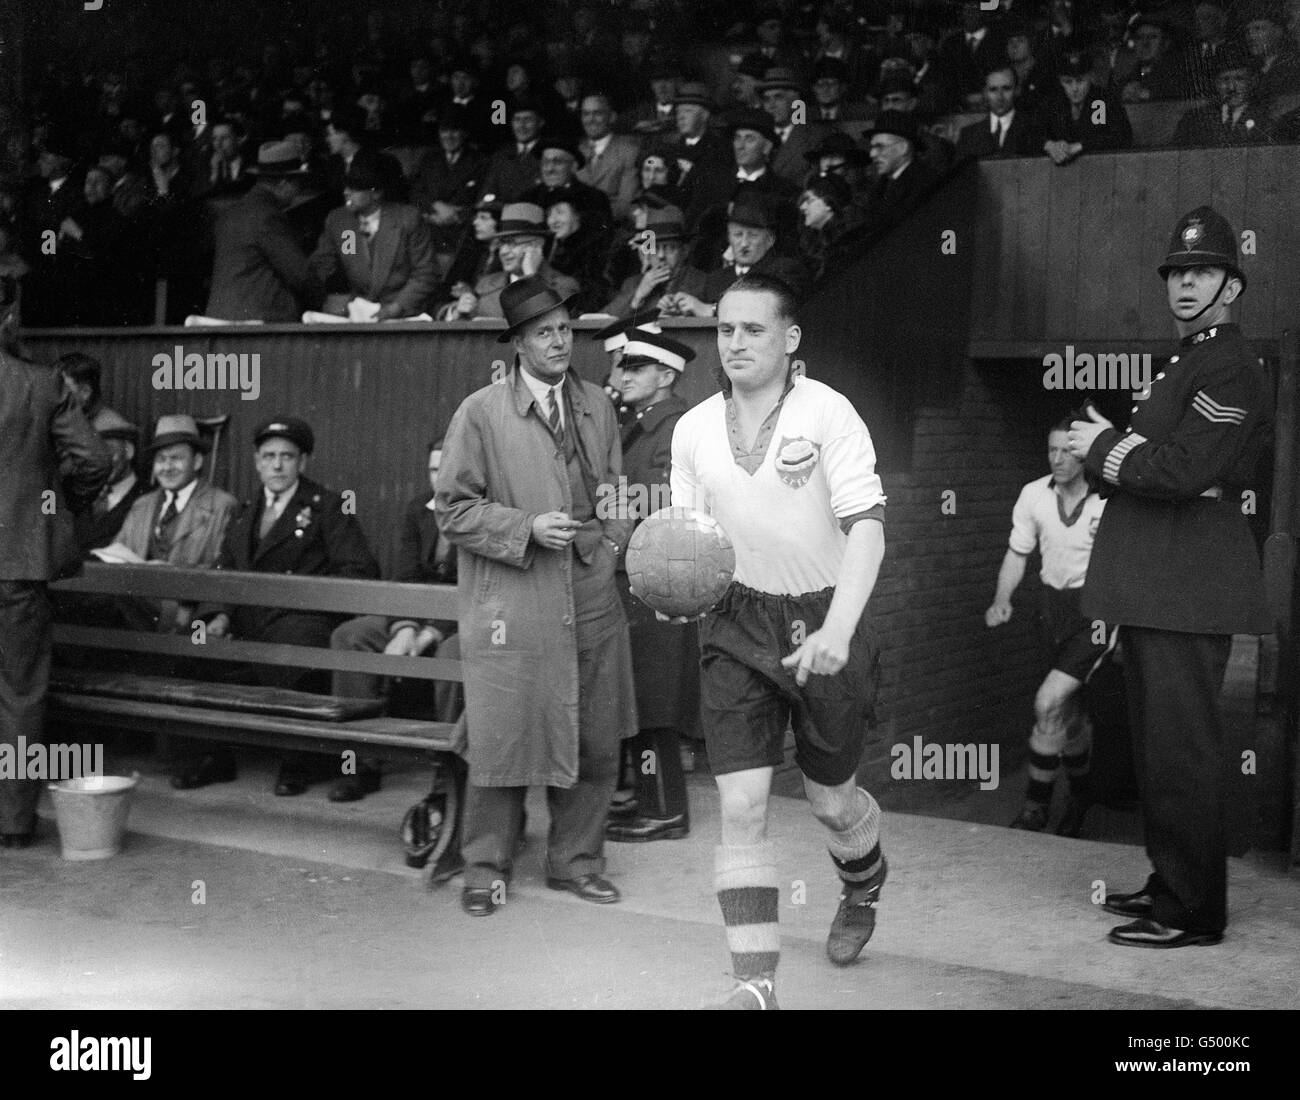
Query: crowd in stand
point(594, 145)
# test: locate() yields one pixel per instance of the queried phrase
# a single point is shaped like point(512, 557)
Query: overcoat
point(501, 468)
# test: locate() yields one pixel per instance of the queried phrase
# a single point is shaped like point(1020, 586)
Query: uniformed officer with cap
point(1175, 566)
point(665, 657)
point(293, 525)
point(613, 339)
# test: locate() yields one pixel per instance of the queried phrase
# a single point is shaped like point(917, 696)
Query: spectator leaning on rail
point(1079, 121)
point(380, 249)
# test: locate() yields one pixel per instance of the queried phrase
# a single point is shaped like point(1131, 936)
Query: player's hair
point(1000, 68)
point(81, 368)
point(1063, 424)
point(787, 307)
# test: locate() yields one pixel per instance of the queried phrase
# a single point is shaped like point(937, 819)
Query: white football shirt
point(1037, 521)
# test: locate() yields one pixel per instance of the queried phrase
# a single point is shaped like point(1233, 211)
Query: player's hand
point(823, 653)
point(1083, 433)
point(998, 613)
point(554, 530)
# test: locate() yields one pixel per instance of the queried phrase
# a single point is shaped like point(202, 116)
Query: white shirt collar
point(977, 35)
point(1001, 122)
point(748, 177)
point(182, 495)
point(539, 389)
point(119, 490)
point(598, 147)
point(281, 499)
point(901, 169)
point(369, 223)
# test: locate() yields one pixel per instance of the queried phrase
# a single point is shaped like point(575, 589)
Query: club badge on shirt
point(796, 459)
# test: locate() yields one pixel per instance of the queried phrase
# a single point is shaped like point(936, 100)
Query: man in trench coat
point(544, 641)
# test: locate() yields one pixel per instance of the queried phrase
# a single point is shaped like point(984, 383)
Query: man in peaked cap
point(293, 525)
point(613, 339)
point(544, 642)
point(1175, 480)
point(665, 657)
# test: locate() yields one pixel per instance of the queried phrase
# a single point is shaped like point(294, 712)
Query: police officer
point(665, 658)
point(1176, 567)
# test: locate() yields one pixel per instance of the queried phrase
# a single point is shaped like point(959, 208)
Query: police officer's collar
point(647, 418)
point(1208, 334)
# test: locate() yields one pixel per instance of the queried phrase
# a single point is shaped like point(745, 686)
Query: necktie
point(268, 516)
point(1002, 133)
point(553, 416)
point(100, 507)
point(169, 514)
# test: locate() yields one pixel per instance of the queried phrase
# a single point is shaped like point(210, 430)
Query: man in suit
point(223, 172)
point(1006, 131)
point(666, 271)
point(897, 92)
point(260, 273)
point(464, 95)
point(830, 105)
point(347, 138)
point(50, 201)
point(42, 431)
point(751, 236)
point(902, 180)
point(516, 166)
point(98, 525)
point(521, 236)
point(780, 90)
point(612, 159)
point(1174, 480)
point(560, 161)
point(657, 114)
point(423, 557)
point(295, 525)
point(1277, 59)
point(707, 164)
point(382, 250)
point(1237, 118)
point(447, 180)
point(1155, 71)
point(967, 55)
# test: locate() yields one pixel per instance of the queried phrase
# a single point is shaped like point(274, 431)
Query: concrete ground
point(308, 904)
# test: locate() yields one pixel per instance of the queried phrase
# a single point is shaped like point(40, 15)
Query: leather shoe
point(1151, 933)
point(291, 781)
point(588, 887)
point(477, 901)
point(17, 840)
point(209, 768)
point(1140, 903)
point(353, 788)
point(638, 830)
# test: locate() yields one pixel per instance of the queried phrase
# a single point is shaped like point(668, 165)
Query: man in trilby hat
point(1175, 566)
point(544, 641)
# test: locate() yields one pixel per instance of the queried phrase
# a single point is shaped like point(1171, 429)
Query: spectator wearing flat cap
point(1275, 56)
point(518, 496)
point(381, 251)
point(98, 525)
point(522, 237)
point(446, 180)
point(517, 164)
point(1006, 131)
point(1081, 120)
point(1237, 118)
point(666, 270)
point(780, 90)
point(898, 92)
point(259, 272)
point(830, 104)
point(560, 161)
point(902, 181)
point(292, 525)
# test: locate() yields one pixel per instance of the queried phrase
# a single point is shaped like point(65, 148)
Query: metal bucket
point(91, 814)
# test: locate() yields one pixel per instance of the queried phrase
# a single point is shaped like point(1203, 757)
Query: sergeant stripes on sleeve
point(1110, 469)
point(1215, 413)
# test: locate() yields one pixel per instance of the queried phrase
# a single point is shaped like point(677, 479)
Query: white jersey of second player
point(1065, 542)
point(812, 468)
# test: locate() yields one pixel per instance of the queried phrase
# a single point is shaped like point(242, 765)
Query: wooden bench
point(152, 704)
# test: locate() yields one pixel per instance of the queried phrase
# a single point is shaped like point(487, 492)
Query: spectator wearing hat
point(704, 156)
point(902, 180)
point(260, 273)
point(666, 270)
point(837, 154)
point(838, 57)
point(516, 165)
point(831, 223)
point(579, 250)
point(935, 81)
point(95, 239)
point(752, 227)
point(898, 92)
point(774, 47)
point(665, 657)
point(521, 238)
point(1155, 73)
point(182, 522)
point(1081, 121)
point(463, 93)
point(1276, 58)
point(49, 201)
point(754, 144)
point(611, 159)
point(968, 54)
point(347, 136)
point(1006, 131)
point(1113, 57)
point(517, 495)
point(1035, 79)
point(656, 113)
point(98, 525)
point(613, 338)
point(418, 98)
point(381, 250)
point(746, 76)
point(830, 104)
point(795, 136)
point(293, 525)
point(1238, 118)
point(560, 161)
point(1209, 36)
point(446, 180)
point(659, 171)
point(477, 253)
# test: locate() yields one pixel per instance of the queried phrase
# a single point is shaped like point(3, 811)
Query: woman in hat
point(478, 253)
point(829, 219)
point(578, 250)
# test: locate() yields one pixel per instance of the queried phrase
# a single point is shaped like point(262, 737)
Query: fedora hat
point(278, 159)
point(526, 299)
point(110, 424)
point(667, 223)
point(837, 144)
point(694, 91)
point(780, 79)
point(564, 145)
point(754, 119)
point(519, 219)
point(177, 428)
point(896, 123)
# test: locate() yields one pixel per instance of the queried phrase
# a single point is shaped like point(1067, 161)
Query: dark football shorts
point(1068, 634)
point(748, 699)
